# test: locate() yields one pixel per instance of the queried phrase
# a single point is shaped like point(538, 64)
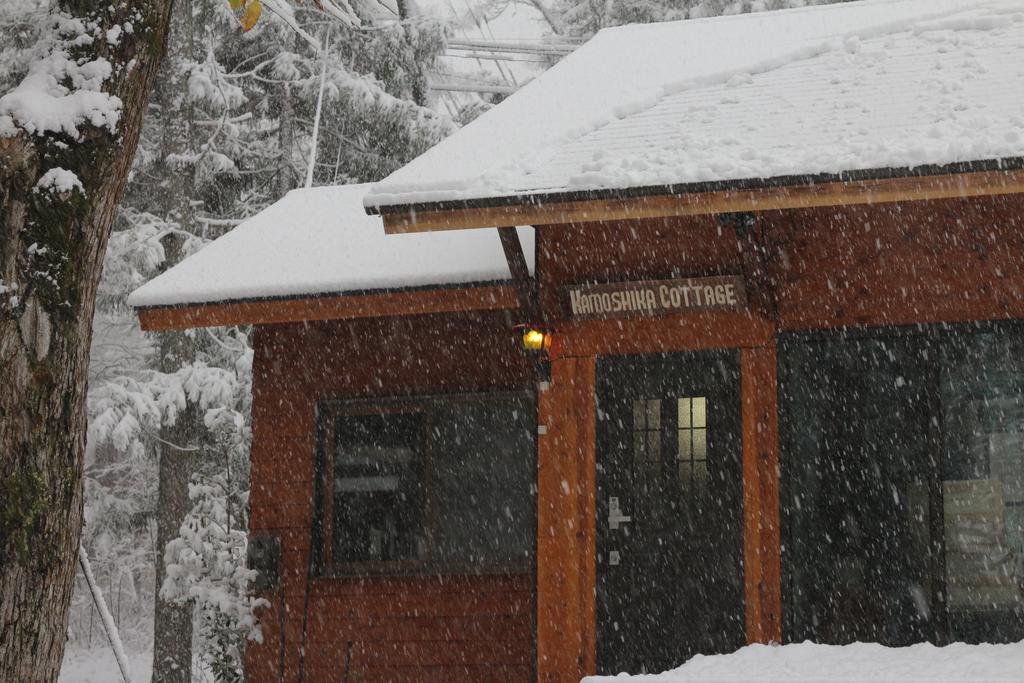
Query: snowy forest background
point(229, 131)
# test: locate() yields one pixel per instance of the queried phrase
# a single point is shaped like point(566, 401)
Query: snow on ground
point(97, 665)
point(851, 86)
point(857, 663)
point(798, 663)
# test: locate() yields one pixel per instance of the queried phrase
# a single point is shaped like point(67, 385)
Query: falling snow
point(901, 448)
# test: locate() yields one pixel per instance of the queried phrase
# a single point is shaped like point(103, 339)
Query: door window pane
point(700, 412)
point(692, 435)
point(647, 438)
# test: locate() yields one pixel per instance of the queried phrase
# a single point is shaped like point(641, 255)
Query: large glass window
point(903, 487)
point(432, 484)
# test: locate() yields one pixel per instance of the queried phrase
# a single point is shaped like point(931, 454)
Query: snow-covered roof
point(821, 90)
point(320, 241)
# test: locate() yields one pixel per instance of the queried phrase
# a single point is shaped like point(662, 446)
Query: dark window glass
point(379, 490)
point(446, 483)
point(902, 466)
point(483, 466)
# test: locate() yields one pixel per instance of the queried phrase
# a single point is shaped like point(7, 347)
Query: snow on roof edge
point(319, 242)
point(281, 298)
point(394, 194)
point(559, 195)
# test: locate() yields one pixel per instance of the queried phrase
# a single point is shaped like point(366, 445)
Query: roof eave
point(872, 186)
point(270, 311)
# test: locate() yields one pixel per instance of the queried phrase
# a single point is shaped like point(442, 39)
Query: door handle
point(615, 516)
point(615, 520)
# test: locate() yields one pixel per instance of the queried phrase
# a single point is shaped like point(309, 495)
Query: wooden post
point(586, 456)
point(565, 523)
point(761, 539)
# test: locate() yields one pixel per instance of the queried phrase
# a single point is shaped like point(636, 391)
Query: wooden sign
point(655, 297)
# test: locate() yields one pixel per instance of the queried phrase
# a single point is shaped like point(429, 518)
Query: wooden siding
point(941, 261)
point(823, 268)
point(388, 628)
point(949, 260)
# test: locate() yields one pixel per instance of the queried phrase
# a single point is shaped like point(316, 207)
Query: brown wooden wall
point(415, 628)
point(948, 260)
point(893, 264)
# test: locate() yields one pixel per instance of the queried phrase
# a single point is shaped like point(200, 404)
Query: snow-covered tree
point(70, 118)
point(228, 131)
point(587, 17)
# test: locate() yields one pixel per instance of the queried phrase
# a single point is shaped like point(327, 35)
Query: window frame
point(326, 565)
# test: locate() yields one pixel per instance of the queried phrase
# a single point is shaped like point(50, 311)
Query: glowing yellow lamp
point(536, 340)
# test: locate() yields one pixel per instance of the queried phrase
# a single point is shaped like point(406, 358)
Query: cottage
point(772, 291)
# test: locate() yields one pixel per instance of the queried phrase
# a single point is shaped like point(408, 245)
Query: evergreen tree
point(227, 133)
point(587, 17)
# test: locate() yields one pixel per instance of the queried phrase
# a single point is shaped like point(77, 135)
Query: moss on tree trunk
point(51, 252)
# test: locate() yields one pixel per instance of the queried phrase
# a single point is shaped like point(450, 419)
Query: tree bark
point(172, 621)
point(45, 328)
point(419, 76)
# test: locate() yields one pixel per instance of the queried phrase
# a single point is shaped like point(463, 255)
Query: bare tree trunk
point(286, 135)
point(419, 77)
point(172, 621)
point(46, 311)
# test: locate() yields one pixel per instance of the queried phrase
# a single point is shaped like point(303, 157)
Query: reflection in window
point(378, 487)
point(692, 435)
point(903, 488)
point(445, 481)
point(983, 492)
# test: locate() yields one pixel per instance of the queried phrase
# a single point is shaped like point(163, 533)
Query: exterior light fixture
point(535, 339)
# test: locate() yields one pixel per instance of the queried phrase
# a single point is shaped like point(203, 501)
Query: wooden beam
point(881, 191)
point(687, 332)
point(329, 308)
point(761, 533)
point(585, 402)
point(520, 272)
